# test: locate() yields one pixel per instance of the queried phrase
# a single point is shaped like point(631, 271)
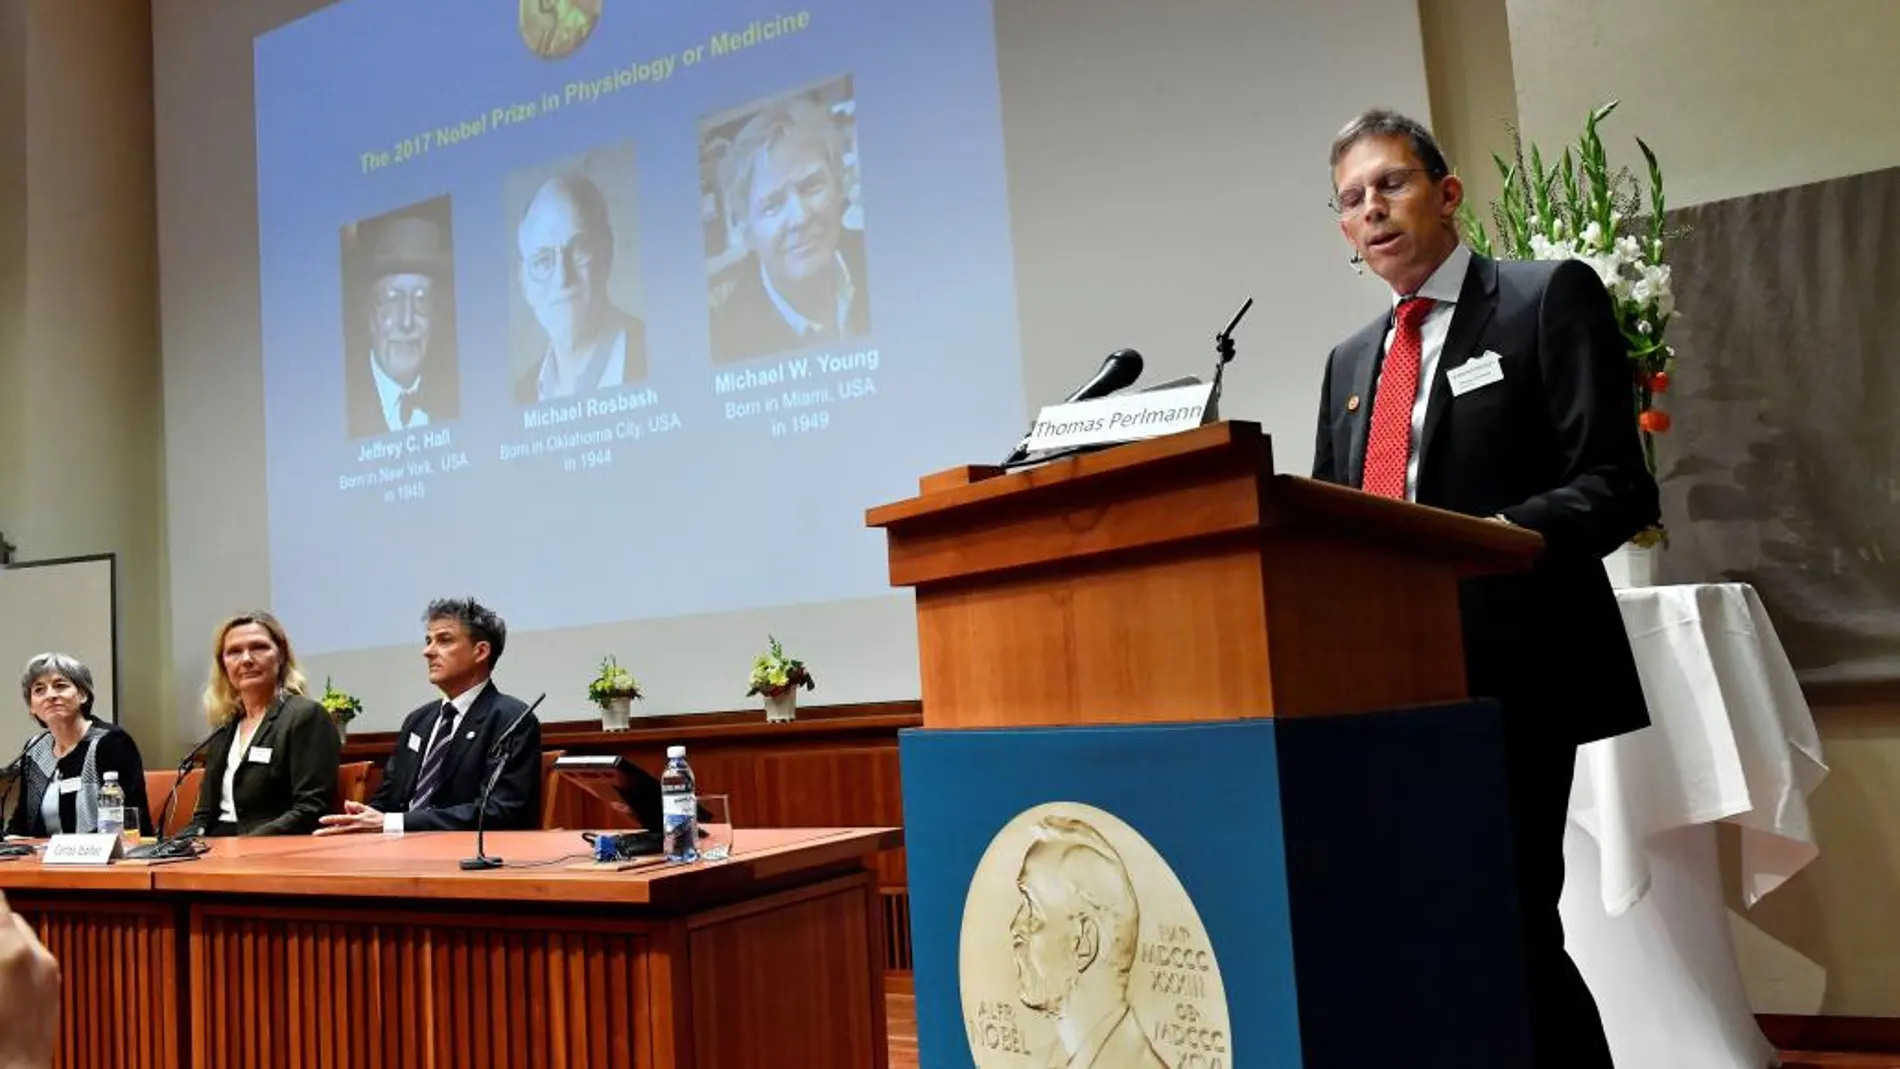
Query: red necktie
point(1389, 442)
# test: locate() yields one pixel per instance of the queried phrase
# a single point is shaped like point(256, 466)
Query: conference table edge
point(659, 887)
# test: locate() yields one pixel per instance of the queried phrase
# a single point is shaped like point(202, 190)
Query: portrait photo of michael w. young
point(784, 223)
point(399, 320)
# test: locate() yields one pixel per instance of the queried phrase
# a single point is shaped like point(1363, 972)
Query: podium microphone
point(1122, 367)
point(499, 754)
point(174, 846)
point(19, 773)
point(1224, 353)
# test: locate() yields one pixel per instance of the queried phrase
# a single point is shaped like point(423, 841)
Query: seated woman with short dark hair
point(62, 770)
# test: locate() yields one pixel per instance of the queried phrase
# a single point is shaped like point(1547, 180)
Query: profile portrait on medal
point(783, 216)
point(1080, 949)
point(398, 283)
point(573, 236)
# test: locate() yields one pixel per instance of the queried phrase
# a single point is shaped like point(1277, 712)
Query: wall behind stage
point(80, 429)
point(1739, 97)
point(1159, 171)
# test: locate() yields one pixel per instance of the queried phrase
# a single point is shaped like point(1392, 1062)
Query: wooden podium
point(1181, 579)
point(1251, 688)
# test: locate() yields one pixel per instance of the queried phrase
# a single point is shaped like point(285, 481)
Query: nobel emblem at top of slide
point(1081, 949)
point(554, 29)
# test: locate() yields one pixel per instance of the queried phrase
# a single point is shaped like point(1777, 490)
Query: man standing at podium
point(1500, 390)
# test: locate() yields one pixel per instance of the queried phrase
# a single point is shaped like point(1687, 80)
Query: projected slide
point(609, 310)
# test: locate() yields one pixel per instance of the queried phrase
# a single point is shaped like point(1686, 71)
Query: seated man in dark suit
point(802, 281)
point(434, 780)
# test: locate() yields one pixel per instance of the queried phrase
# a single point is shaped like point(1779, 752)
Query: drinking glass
point(715, 821)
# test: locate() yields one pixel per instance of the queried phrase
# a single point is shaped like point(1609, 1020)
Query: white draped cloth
point(1731, 740)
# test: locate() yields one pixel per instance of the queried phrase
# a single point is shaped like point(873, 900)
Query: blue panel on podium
point(1061, 877)
point(1317, 893)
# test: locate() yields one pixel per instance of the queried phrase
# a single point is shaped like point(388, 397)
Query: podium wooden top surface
point(1181, 578)
point(425, 865)
point(1238, 452)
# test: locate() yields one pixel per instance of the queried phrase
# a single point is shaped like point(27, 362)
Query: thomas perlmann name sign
point(1122, 418)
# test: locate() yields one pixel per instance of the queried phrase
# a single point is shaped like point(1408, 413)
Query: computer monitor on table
point(622, 785)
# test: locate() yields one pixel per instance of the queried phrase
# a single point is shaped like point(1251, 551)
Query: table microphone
point(499, 754)
point(174, 846)
point(1122, 367)
point(19, 773)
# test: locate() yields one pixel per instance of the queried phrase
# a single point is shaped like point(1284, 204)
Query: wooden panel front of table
point(380, 951)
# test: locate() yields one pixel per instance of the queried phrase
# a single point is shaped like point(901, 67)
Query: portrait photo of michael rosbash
point(399, 320)
point(574, 328)
point(784, 224)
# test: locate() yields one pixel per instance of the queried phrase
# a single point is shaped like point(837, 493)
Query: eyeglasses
point(1391, 184)
point(579, 252)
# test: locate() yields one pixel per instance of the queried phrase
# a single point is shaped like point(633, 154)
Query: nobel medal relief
point(1081, 949)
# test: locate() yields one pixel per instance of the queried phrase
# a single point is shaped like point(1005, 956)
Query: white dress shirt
point(390, 394)
point(392, 822)
point(227, 806)
point(802, 325)
point(1443, 289)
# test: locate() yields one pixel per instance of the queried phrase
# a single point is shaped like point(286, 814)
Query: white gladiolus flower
point(1658, 279)
point(1613, 280)
point(1592, 234)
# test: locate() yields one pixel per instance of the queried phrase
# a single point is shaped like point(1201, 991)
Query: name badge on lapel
point(260, 755)
point(1473, 374)
point(415, 742)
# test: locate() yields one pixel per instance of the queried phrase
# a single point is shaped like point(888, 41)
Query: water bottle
point(112, 806)
point(679, 806)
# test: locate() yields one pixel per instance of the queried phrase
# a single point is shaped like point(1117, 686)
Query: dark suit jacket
point(516, 802)
point(285, 795)
point(745, 322)
point(1553, 447)
point(440, 395)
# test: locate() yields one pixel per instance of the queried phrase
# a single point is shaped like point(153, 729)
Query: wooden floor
point(900, 1016)
point(900, 1007)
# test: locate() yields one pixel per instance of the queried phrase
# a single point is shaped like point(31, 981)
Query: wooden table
point(380, 951)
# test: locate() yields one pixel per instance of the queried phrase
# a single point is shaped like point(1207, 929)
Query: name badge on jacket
point(415, 742)
point(69, 786)
point(260, 755)
point(1473, 374)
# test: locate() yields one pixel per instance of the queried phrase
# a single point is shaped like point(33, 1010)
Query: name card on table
point(95, 849)
point(1122, 418)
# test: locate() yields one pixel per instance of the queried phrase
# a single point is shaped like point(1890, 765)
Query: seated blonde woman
point(271, 768)
point(64, 767)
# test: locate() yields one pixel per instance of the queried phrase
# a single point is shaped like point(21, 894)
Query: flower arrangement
point(1579, 209)
point(774, 673)
point(341, 706)
point(612, 682)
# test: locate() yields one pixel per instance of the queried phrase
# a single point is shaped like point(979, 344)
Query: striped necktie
point(436, 761)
